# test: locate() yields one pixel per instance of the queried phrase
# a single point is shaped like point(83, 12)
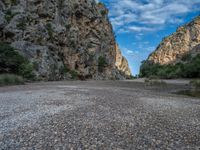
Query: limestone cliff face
point(185, 40)
point(122, 63)
point(58, 35)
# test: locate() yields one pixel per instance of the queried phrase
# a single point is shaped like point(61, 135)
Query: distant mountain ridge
point(185, 40)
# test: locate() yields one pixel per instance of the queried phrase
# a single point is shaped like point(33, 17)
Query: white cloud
point(148, 16)
point(129, 52)
point(138, 28)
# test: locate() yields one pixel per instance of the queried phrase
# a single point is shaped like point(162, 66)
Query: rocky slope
point(63, 37)
point(185, 40)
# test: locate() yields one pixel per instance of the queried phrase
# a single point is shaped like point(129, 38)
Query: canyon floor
point(98, 115)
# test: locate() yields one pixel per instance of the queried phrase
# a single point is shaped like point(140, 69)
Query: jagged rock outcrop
point(185, 40)
point(63, 36)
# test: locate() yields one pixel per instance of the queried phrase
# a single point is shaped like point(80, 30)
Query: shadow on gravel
point(190, 93)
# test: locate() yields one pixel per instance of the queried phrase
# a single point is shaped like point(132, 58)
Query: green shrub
point(74, 74)
point(192, 68)
point(13, 63)
point(9, 15)
point(49, 30)
point(10, 79)
point(22, 24)
point(35, 65)
point(103, 9)
point(186, 57)
point(189, 69)
point(26, 70)
point(153, 77)
point(67, 26)
point(100, 4)
point(104, 12)
point(10, 60)
point(101, 63)
point(133, 77)
point(63, 70)
point(146, 80)
point(13, 2)
point(148, 69)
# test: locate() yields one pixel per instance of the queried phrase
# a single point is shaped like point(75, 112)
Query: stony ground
point(97, 115)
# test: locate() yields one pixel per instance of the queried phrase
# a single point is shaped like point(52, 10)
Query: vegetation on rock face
point(74, 74)
point(103, 10)
point(50, 30)
point(13, 2)
point(9, 15)
point(186, 69)
point(12, 62)
point(22, 24)
point(63, 70)
point(101, 63)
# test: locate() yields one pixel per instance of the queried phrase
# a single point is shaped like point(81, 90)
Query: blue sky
point(140, 25)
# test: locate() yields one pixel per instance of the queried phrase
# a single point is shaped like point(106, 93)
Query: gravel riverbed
point(97, 115)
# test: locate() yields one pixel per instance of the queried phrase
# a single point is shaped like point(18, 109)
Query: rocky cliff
point(122, 63)
point(185, 40)
point(63, 38)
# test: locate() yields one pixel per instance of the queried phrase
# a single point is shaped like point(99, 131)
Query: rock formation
point(122, 63)
point(63, 36)
point(185, 40)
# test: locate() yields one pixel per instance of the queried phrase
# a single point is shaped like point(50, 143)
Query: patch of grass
point(10, 79)
point(155, 82)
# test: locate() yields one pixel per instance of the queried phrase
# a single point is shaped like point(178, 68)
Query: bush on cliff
point(11, 62)
point(101, 63)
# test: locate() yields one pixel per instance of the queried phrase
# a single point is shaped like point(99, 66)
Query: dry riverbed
point(98, 115)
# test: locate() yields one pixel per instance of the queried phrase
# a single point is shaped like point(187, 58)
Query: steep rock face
point(122, 63)
point(60, 36)
point(185, 40)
